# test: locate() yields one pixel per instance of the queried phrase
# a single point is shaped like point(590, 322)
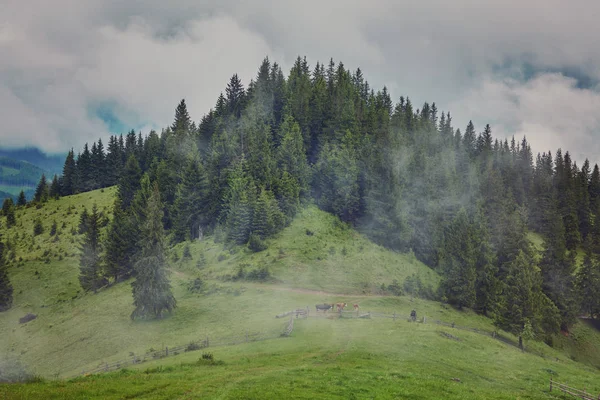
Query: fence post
point(550, 383)
point(394, 315)
point(206, 340)
point(167, 351)
point(246, 336)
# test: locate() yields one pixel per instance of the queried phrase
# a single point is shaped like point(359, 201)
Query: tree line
point(463, 201)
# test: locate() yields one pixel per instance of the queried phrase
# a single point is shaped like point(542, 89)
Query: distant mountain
point(21, 169)
point(52, 164)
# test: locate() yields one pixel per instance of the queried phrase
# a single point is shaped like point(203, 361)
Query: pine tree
point(120, 244)
point(129, 182)
point(84, 222)
point(54, 191)
point(292, 155)
point(588, 281)
point(69, 182)
point(90, 276)
point(151, 288)
point(182, 124)
point(192, 202)
point(8, 209)
point(235, 96)
point(21, 200)
point(114, 162)
point(41, 192)
point(6, 289)
point(85, 170)
point(239, 204)
point(458, 262)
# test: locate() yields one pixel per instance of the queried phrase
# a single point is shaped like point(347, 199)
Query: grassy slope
point(336, 357)
point(75, 331)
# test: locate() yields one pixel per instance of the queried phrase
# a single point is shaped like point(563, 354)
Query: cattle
point(355, 307)
point(340, 306)
point(323, 307)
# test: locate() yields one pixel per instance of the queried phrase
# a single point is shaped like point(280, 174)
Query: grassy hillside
point(75, 330)
point(17, 175)
point(338, 359)
point(316, 259)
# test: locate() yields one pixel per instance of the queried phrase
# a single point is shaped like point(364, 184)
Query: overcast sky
point(72, 71)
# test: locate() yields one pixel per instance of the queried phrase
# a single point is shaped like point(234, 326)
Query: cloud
point(550, 110)
point(142, 57)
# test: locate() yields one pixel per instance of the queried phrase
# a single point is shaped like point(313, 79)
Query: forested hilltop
point(462, 201)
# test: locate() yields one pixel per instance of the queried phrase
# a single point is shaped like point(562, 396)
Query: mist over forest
point(465, 203)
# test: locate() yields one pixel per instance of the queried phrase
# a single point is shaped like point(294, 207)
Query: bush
point(53, 228)
point(38, 228)
point(256, 244)
point(201, 263)
point(186, 252)
point(196, 285)
point(395, 288)
point(192, 347)
point(262, 274)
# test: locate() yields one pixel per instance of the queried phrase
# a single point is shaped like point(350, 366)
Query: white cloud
point(145, 56)
point(549, 110)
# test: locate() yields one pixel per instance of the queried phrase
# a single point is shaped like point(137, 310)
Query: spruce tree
point(21, 200)
point(129, 182)
point(6, 289)
point(458, 262)
point(69, 181)
point(120, 244)
point(192, 202)
point(90, 276)
point(151, 288)
point(54, 191)
point(588, 281)
point(41, 192)
point(8, 209)
point(239, 204)
point(182, 124)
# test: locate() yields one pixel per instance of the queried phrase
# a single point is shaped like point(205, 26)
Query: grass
point(336, 359)
point(310, 261)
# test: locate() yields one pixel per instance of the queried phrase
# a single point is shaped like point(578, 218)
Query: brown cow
point(340, 306)
point(355, 307)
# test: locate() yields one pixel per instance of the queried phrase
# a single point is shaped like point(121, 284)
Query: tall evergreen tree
point(69, 181)
point(90, 276)
point(151, 289)
point(192, 201)
point(8, 209)
point(129, 182)
point(54, 191)
point(458, 262)
point(21, 200)
point(182, 124)
point(120, 244)
point(41, 191)
point(6, 289)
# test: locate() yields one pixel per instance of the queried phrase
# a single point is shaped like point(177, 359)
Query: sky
point(72, 71)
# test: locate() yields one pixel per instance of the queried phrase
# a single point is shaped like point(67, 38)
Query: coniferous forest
point(463, 201)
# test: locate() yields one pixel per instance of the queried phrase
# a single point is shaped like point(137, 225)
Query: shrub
point(221, 257)
point(38, 228)
point(256, 244)
point(186, 252)
point(395, 288)
point(192, 347)
point(201, 261)
point(261, 274)
point(196, 285)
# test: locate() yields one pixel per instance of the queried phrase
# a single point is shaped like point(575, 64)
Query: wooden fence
point(395, 316)
point(192, 346)
point(567, 390)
